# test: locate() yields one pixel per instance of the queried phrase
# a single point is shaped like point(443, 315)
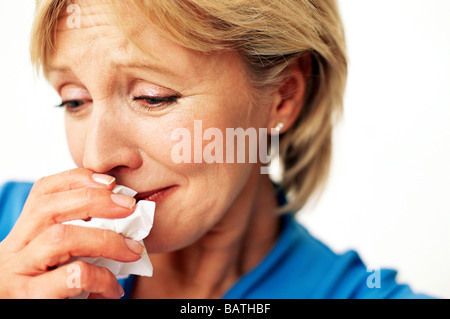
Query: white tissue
point(137, 226)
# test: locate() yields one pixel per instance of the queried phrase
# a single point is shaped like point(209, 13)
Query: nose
point(109, 143)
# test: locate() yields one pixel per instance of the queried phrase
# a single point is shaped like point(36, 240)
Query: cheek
point(184, 132)
point(211, 184)
point(181, 142)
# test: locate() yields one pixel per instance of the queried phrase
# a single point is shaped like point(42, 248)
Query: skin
point(216, 223)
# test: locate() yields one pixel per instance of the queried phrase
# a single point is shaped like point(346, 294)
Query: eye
point(72, 105)
point(156, 102)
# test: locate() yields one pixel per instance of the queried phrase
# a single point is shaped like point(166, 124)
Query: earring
point(279, 127)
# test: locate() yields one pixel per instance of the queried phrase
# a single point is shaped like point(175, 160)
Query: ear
point(289, 97)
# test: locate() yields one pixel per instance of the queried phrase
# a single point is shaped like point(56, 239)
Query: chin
point(168, 238)
point(177, 226)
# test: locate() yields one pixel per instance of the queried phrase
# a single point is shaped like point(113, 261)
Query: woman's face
point(123, 105)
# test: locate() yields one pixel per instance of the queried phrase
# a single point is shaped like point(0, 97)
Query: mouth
point(156, 195)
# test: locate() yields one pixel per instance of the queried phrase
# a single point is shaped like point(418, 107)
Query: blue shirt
point(298, 266)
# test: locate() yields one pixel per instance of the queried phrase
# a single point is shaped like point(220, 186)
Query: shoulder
point(12, 199)
point(301, 266)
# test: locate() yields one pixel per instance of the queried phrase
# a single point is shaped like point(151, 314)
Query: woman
point(132, 76)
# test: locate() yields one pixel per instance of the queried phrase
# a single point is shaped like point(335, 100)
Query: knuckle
point(92, 199)
point(20, 290)
point(78, 177)
point(77, 172)
point(39, 184)
point(105, 235)
point(83, 270)
point(89, 195)
point(54, 250)
point(83, 267)
point(56, 234)
point(37, 205)
point(109, 238)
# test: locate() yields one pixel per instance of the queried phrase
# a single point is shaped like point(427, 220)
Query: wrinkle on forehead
point(101, 19)
point(98, 23)
point(97, 13)
point(101, 28)
point(93, 14)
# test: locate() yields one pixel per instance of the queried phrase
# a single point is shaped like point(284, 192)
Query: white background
point(389, 192)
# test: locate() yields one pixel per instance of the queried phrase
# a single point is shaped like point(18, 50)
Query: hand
point(34, 257)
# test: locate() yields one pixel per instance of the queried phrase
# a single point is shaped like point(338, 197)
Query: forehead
point(93, 23)
point(92, 30)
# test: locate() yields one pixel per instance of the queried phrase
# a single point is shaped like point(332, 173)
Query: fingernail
point(103, 179)
point(120, 291)
point(134, 246)
point(124, 201)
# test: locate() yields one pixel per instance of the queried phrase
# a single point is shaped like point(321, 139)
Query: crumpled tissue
point(137, 226)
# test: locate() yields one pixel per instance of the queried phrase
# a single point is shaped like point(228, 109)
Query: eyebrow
point(143, 65)
point(121, 65)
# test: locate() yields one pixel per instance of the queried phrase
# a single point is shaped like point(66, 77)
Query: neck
point(209, 267)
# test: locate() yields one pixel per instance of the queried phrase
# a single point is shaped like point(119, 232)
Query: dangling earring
point(279, 127)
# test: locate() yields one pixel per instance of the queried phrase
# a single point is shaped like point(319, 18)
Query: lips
point(156, 195)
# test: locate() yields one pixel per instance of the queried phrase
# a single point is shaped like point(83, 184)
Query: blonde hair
point(270, 36)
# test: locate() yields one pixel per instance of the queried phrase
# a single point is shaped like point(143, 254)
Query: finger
point(58, 244)
point(73, 279)
point(72, 179)
point(83, 203)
